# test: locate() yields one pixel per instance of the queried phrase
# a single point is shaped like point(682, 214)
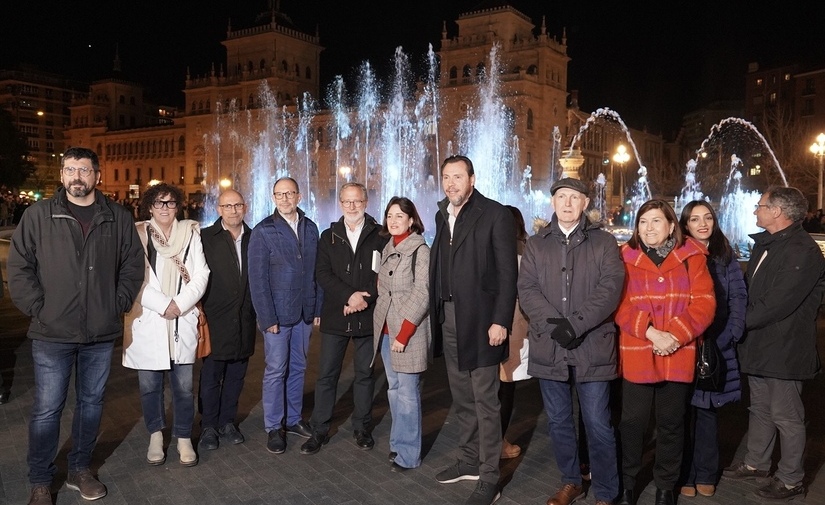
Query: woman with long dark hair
point(700, 470)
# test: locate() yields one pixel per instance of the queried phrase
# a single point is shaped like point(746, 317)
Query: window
point(181, 144)
point(262, 64)
point(131, 100)
point(308, 73)
point(467, 71)
point(532, 70)
point(453, 73)
point(297, 70)
point(117, 174)
point(151, 173)
point(808, 107)
point(759, 82)
point(121, 99)
point(530, 119)
point(480, 69)
point(127, 175)
point(787, 77)
point(772, 98)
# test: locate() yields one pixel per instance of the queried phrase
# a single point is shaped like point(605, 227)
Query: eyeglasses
point(169, 204)
point(72, 170)
point(352, 203)
point(280, 195)
point(756, 207)
point(229, 206)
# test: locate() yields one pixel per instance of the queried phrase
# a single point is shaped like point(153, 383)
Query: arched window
point(480, 69)
point(166, 146)
point(453, 73)
point(517, 69)
point(239, 68)
point(250, 102)
point(530, 119)
point(249, 66)
point(181, 144)
point(200, 106)
point(467, 71)
point(193, 106)
point(532, 70)
point(297, 70)
point(308, 73)
point(262, 64)
point(131, 100)
point(284, 66)
point(208, 107)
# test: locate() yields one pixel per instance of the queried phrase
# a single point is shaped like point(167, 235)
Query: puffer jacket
point(580, 278)
point(75, 289)
point(727, 328)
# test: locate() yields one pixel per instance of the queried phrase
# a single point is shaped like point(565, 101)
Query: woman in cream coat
point(161, 330)
point(401, 314)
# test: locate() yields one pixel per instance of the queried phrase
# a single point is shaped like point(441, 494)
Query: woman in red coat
point(668, 301)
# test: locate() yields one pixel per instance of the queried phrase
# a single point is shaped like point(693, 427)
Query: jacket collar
point(101, 203)
point(767, 238)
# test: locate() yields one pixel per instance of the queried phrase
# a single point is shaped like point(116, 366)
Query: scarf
point(172, 251)
point(658, 254)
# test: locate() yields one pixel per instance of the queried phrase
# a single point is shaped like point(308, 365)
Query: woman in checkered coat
point(402, 312)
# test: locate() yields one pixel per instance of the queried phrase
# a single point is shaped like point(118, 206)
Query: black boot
point(626, 498)
point(665, 497)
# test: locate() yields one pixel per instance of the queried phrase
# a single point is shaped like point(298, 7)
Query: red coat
point(676, 297)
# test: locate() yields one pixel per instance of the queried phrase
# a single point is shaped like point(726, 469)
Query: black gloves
point(564, 333)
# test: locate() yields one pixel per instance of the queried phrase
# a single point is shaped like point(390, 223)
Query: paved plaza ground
point(340, 473)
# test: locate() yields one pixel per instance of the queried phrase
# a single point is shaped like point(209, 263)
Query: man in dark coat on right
point(227, 304)
point(786, 281)
point(473, 273)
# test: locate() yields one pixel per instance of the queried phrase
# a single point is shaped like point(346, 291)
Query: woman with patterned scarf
point(161, 331)
point(667, 302)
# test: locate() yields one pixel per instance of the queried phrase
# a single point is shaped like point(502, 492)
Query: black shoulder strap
point(414, 257)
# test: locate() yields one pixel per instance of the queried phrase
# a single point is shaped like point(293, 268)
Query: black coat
point(340, 273)
point(784, 295)
point(227, 301)
point(483, 271)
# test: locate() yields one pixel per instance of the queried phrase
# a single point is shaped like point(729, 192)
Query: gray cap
point(569, 182)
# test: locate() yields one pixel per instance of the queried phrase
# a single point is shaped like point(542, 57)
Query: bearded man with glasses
point(75, 267)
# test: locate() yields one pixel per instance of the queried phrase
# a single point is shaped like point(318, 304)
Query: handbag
point(710, 367)
point(204, 340)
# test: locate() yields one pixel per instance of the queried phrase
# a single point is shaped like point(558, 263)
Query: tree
point(15, 166)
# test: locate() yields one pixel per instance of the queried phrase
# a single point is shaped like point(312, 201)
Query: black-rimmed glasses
point(169, 204)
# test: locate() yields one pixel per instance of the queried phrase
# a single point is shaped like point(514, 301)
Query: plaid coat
point(400, 297)
point(676, 297)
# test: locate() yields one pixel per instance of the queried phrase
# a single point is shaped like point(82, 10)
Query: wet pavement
point(340, 473)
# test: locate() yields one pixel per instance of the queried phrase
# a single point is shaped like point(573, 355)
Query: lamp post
point(621, 157)
point(818, 148)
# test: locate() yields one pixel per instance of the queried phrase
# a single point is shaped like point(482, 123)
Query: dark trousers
point(701, 460)
point(475, 404)
point(333, 349)
point(670, 401)
point(221, 383)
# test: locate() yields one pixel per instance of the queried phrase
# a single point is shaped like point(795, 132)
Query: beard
point(84, 189)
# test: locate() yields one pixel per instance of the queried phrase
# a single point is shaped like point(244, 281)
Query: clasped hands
point(664, 343)
point(356, 303)
point(564, 333)
point(172, 311)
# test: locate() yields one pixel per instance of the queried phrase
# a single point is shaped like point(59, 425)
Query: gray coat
point(580, 278)
point(400, 298)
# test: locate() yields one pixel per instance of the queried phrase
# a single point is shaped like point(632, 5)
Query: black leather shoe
point(626, 498)
point(301, 428)
point(277, 442)
point(209, 440)
point(392, 456)
point(363, 439)
point(314, 444)
point(395, 467)
point(665, 497)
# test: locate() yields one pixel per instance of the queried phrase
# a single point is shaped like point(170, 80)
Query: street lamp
point(621, 157)
point(818, 148)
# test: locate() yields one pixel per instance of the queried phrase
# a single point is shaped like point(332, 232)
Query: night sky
point(650, 61)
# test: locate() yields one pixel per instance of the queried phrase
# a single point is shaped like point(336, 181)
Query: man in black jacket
point(473, 271)
point(346, 272)
point(75, 266)
point(786, 281)
point(227, 304)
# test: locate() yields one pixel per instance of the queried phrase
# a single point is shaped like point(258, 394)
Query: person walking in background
point(786, 281)
point(404, 341)
point(345, 272)
point(75, 266)
point(700, 470)
point(161, 335)
point(227, 303)
point(667, 303)
point(473, 273)
point(282, 253)
point(570, 284)
point(515, 368)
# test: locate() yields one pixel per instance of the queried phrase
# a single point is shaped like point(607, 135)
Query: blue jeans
point(183, 403)
point(701, 464)
point(53, 363)
point(594, 402)
point(404, 396)
point(285, 354)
